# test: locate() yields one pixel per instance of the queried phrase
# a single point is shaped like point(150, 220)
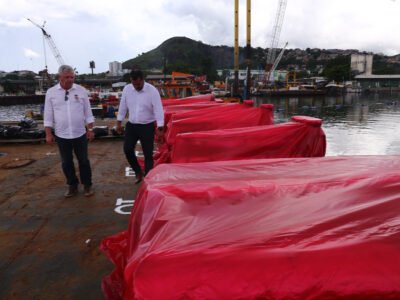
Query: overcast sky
point(119, 30)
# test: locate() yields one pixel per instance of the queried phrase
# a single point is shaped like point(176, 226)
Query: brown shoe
point(72, 191)
point(88, 190)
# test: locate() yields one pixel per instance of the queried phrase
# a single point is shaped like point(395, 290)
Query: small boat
point(220, 92)
point(353, 87)
point(174, 86)
point(334, 88)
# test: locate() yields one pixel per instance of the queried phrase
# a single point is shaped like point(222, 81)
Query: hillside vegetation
point(186, 55)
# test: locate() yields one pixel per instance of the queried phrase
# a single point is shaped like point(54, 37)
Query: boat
point(104, 103)
point(174, 86)
point(218, 92)
point(353, 87)
point(290, 91)
point(333, 88)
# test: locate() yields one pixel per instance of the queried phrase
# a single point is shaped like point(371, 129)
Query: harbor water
point(354, 124)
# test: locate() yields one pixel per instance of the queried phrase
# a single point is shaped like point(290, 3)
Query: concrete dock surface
point(50, 244)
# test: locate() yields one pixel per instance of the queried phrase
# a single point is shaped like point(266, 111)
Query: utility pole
point(92, 65)
point(236, 51)
point(248, 51)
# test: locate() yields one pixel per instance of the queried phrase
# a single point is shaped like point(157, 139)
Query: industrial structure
point(45, 80)
point(361, 64)
point(51, 44)
point(272, 61)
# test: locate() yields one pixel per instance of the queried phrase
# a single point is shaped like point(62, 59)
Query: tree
point(338, 69)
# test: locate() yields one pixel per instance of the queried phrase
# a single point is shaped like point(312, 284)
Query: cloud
point(30, 53)
point(119, 30)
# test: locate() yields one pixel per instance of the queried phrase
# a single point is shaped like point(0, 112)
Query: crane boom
point(280, 13)
point(51, 44)
point(276, 62)
point(275, 39)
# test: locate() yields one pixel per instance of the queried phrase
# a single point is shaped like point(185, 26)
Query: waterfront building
point(362, 64)
point(379, 82)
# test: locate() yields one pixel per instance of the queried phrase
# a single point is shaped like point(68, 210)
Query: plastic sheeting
point(187, 100)
point(303, 137)
point(185, 111)
point(169, 110)
point(254, 116)
point(211, 112)
point(300, 228)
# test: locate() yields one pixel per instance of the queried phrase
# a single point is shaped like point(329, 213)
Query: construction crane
point(276, 62)
point(280, 13)
point(51, 44)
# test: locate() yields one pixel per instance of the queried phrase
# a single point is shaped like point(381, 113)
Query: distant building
point(361, 63)
point(383, 82)
point(115, 68)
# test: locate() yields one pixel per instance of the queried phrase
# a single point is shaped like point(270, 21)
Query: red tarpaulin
point(297, 228)
point(303, 137)
point(187, 100)
point(170, 110)
point(211, 112)
point(254, 116)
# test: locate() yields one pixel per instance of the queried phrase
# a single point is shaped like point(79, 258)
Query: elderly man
point(67, 111)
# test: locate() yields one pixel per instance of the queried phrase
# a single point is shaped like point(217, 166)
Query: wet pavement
point(50, 244)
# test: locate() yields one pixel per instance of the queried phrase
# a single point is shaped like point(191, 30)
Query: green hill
point(186, 55)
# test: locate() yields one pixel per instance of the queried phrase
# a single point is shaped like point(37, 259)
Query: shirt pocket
point(58, 105)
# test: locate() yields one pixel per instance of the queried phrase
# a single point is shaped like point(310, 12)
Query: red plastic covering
point(169, 110)
point(187, 100)
point(212, 111)
point(255, 116)
point(297, 228)
point(303, 137)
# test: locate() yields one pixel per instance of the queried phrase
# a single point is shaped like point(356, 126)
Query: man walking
point(143, 103)
point(67, 111)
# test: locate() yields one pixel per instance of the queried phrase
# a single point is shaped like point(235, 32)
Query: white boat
point(219, 92)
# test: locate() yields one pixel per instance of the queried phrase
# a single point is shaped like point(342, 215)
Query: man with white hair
point(67, 111)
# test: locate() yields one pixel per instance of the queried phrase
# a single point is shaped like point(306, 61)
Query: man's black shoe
point(72, 191)
point(88, 190)
point(139, 178)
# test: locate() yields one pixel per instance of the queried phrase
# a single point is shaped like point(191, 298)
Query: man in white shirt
point(143, 103)
point(67, 111)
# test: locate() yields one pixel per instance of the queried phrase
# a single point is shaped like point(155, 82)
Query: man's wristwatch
point(90, 129)
point(161, 128)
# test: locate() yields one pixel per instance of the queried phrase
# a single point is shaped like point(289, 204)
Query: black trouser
point(80, 147)
point(145, 134)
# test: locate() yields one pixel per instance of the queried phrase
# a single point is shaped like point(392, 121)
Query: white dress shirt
point(67, 117)
point(144, 106)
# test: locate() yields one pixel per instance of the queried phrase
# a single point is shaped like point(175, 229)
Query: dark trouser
point(80, 147)
point(145, 134)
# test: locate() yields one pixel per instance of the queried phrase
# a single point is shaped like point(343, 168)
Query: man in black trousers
point(67, 111)
point(142, 102)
